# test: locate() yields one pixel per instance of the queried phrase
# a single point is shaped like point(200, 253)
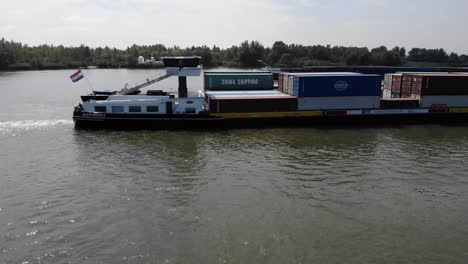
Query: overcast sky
point(120, 23)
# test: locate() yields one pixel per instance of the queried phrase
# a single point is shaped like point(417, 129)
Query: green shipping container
point(244, 81)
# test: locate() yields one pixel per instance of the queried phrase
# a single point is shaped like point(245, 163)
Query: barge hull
point(332, 119)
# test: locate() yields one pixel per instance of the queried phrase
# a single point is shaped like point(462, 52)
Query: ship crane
point(136, 89)
point(175, 66)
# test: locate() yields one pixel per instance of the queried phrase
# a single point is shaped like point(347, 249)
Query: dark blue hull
point(207, 122)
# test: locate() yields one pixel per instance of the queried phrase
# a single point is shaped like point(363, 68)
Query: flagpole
point(90, 85)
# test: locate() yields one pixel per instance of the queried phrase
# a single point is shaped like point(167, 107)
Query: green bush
point(20, 66)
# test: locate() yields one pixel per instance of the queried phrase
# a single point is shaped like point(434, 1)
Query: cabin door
point(169, 108)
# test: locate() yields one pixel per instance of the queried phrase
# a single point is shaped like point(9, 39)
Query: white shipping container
point(290, 84)
point(388, 82)
point(386, 93)
point(449, 100)
point(339, 103)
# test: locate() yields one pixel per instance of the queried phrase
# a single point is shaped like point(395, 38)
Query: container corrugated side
point(388, 79)
point(285, 83)
point(338, 103)
point(446, 100)
point(386, 93)
point(406, 85)
point(338, 85)
point(396, 85)
point(280, 82)
point(253, 105)
point(290, 84)
point(450, 84)
point(238, 81)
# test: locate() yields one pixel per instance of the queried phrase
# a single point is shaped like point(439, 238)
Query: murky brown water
point(389, 195)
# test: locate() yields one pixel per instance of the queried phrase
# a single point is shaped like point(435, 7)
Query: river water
point(381, 195)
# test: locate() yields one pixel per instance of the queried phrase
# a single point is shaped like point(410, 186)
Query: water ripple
point(11, 127)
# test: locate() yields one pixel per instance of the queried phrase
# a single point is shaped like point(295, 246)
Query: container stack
point(245, 92)
point(448, 90)
point(321, 91)
point(392, 86)
point(402, 84)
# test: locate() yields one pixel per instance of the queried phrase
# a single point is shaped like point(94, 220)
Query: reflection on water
point(383, 195)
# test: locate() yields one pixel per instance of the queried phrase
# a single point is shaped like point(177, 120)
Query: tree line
point(18, 56)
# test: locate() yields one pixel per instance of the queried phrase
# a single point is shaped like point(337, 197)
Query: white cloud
point(71, 18)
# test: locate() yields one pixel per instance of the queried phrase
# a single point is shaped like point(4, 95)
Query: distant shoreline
point(15, 56)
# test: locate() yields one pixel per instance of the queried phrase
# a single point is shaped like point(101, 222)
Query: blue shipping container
point(337, 85)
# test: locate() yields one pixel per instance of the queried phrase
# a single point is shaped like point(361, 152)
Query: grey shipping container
point(446, 100)
point(339, 103)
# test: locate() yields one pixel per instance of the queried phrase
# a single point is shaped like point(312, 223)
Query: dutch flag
point(77, 76)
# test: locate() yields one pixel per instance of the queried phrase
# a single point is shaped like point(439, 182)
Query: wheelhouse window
point(117, 109)
point(100, 109)
point(152, 109)
point(134, 109)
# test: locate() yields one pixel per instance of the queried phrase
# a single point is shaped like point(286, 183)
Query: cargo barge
point(250, 100)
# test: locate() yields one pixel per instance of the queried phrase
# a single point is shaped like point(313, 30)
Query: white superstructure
point(143, 104)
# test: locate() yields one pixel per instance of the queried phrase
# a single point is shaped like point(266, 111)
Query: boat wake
point(25, 125)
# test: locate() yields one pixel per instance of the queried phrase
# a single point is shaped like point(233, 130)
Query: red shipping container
point(407, 82)
point(396, 84)
point(248, 104)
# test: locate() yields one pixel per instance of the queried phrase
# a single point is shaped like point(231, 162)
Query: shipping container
point(436, 84)
point(280, 82)
point(388, 80)
point(444, 101)
point(392, 85)
point(410, 87)
point(324, 73)
point(406, 85)
point(250, 101)
point(226, 81)
point(285, 82)
point(290, 84)
point(396, 85)
point(399, 103)
point(386, 93)
point(338, 103)
point(253, 104)
point(336, 85)
point(222, 94)
point(287, 78)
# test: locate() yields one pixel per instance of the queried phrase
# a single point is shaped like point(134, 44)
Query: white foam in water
point(22, 125)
